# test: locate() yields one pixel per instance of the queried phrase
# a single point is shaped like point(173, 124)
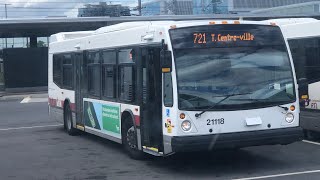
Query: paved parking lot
point(32, 147)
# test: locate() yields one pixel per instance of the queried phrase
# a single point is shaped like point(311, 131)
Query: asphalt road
point(32, 147)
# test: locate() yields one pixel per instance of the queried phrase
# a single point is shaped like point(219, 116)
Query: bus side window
point(93, 59)
point(305, 54)
point(167, 90)
point(126, 76)
point(67, 72)
point(299, 58)
point(57, 69)
point(109, 61)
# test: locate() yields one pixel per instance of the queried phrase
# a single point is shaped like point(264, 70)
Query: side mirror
point(303, 84)
point(166, 61)
point(303, 81)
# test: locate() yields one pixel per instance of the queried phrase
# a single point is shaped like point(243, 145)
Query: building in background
point(23, 42)
point(181, 7)
point(167, 7)
point(312, 8)
point(245, 6)
point(210, 7)
point(103, 9)
point(154, 8)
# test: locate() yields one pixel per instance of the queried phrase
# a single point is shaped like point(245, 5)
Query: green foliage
point(41, 44)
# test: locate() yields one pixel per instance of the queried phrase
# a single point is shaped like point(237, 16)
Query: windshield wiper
point(258, 100)
point(282, 107)
point(225, 98)
point(285, 108)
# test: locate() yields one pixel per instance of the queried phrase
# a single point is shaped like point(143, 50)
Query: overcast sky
point(45, 8)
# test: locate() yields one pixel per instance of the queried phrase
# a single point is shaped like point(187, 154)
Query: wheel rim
point(131, 139)
point(69, 122)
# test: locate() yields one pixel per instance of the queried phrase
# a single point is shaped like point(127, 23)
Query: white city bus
point(166, 87)
point(303, 36)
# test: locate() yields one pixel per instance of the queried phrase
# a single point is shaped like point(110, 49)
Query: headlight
point(186, 125)
point(289, 117)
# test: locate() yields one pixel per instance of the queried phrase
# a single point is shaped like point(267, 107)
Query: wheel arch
point(127, 113)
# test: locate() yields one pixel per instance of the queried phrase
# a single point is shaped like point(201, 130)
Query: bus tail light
point(137, 120)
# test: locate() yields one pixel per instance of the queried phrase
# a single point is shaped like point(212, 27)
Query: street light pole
point(5, 9)
point(6, 15)
point(139, 7)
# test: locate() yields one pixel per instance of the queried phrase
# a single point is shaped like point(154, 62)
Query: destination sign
point(203, 38)
point(225, 36)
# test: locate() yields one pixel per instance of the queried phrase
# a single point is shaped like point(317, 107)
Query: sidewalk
point(5, 96)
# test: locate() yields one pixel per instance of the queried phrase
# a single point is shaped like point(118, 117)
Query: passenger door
point(79, 79)
point(151, 97)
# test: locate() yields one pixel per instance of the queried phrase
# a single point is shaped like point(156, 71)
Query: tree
point(211, 7)
point(41, 44)
point(171, 6)
point(215, 4)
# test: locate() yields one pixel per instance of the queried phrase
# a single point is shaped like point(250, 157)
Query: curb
point(21, 96)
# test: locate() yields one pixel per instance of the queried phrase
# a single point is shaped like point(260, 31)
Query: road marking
point(30, 127)
point(36, 100)
point(280, 175)
point(30, 99)
point(311, 142)
point(26, 100)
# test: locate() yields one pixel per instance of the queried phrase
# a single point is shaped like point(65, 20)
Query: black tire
point(129, 140)
point(68, 124)
point(306, 134)
point(64, 123)
point(311, 135)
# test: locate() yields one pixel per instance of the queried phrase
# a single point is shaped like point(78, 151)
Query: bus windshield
point(251, 61)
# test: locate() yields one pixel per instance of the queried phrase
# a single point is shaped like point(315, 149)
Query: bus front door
point(151, 98)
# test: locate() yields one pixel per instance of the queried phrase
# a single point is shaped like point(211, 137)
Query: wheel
point(311, 135)
point(68, 124)
point(306, 134)
point(129, 140)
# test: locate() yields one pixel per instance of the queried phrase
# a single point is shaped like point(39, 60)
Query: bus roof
point(69, 35)
point(301, 29)
point(63, 36)
point(290, 20)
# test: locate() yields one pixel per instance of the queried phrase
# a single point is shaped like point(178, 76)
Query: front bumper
point(236, 140)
